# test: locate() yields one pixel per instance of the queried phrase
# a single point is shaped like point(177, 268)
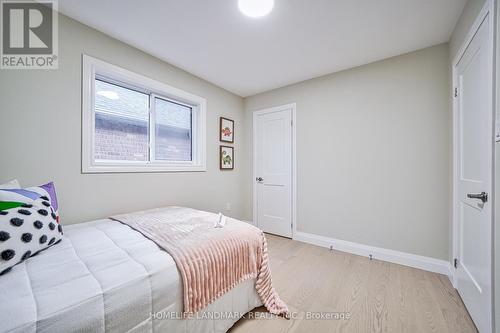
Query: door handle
point(259, 179)
point(483, 196)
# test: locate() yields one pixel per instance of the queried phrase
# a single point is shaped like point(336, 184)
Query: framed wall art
point(226, 158)
point(226, 130)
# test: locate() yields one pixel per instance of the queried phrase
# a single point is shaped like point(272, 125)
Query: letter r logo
point(27, 27)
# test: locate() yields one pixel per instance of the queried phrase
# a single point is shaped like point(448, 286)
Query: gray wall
point(374, 152)
point(40, 135)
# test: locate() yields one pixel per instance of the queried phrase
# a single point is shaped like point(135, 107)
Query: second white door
point(475, 140)
point(273, 170)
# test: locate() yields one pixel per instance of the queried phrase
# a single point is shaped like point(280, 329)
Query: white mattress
point(104, 276)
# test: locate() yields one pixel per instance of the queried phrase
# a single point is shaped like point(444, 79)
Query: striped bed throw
point(210, 260)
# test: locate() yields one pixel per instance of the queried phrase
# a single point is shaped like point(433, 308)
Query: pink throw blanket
point(211, 260)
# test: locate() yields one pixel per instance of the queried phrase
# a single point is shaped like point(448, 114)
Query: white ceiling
point(299, 40)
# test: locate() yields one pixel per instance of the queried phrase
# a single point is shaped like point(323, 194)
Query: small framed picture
point(226, 158)
point(226, 130)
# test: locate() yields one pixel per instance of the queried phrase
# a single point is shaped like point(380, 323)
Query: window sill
point(142, 168)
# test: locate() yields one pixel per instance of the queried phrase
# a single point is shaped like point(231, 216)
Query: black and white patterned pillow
point(26, 230)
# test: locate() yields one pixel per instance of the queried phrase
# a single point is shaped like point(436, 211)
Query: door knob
point(483, 196)
point(259, 179)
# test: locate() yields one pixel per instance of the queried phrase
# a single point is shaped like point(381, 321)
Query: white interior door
point(273, 170)
point(475, 143)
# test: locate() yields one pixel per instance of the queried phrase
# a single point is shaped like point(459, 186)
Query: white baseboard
point(397, 257)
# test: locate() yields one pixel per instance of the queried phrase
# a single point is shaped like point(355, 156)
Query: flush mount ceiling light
point(256, 8)
point(108, 94)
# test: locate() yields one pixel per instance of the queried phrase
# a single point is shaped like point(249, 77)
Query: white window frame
point(92, 67)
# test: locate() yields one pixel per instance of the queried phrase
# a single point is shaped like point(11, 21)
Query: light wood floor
point(379, 296)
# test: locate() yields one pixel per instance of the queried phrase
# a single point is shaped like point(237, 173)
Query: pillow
point(29, 223)
point(12, 184)
point(12, 198)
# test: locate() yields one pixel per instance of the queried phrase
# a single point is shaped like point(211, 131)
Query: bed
point(105, 276)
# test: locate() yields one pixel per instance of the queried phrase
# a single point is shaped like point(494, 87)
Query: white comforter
point(105, 276)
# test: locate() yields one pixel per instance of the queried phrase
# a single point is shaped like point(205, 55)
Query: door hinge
point(455, 263)
point(456, 92)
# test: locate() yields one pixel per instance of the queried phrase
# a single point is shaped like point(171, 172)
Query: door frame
point(486, 10)
point(256, 113)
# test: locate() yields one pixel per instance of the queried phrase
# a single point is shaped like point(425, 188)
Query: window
point(134, 124)
point(121, 118)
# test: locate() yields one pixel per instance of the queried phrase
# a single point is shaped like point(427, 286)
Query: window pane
point(173, 131)
point(121, 123)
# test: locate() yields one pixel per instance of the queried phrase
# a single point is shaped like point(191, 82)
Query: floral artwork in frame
point(226, 130)
point(226, 158)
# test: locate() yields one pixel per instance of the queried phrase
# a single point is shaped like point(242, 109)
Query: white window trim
point(92, 67)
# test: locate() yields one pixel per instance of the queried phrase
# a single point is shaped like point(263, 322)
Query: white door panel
point(475, 134)
point(273, 170)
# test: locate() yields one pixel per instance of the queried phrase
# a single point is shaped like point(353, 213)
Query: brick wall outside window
point(122, 139)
